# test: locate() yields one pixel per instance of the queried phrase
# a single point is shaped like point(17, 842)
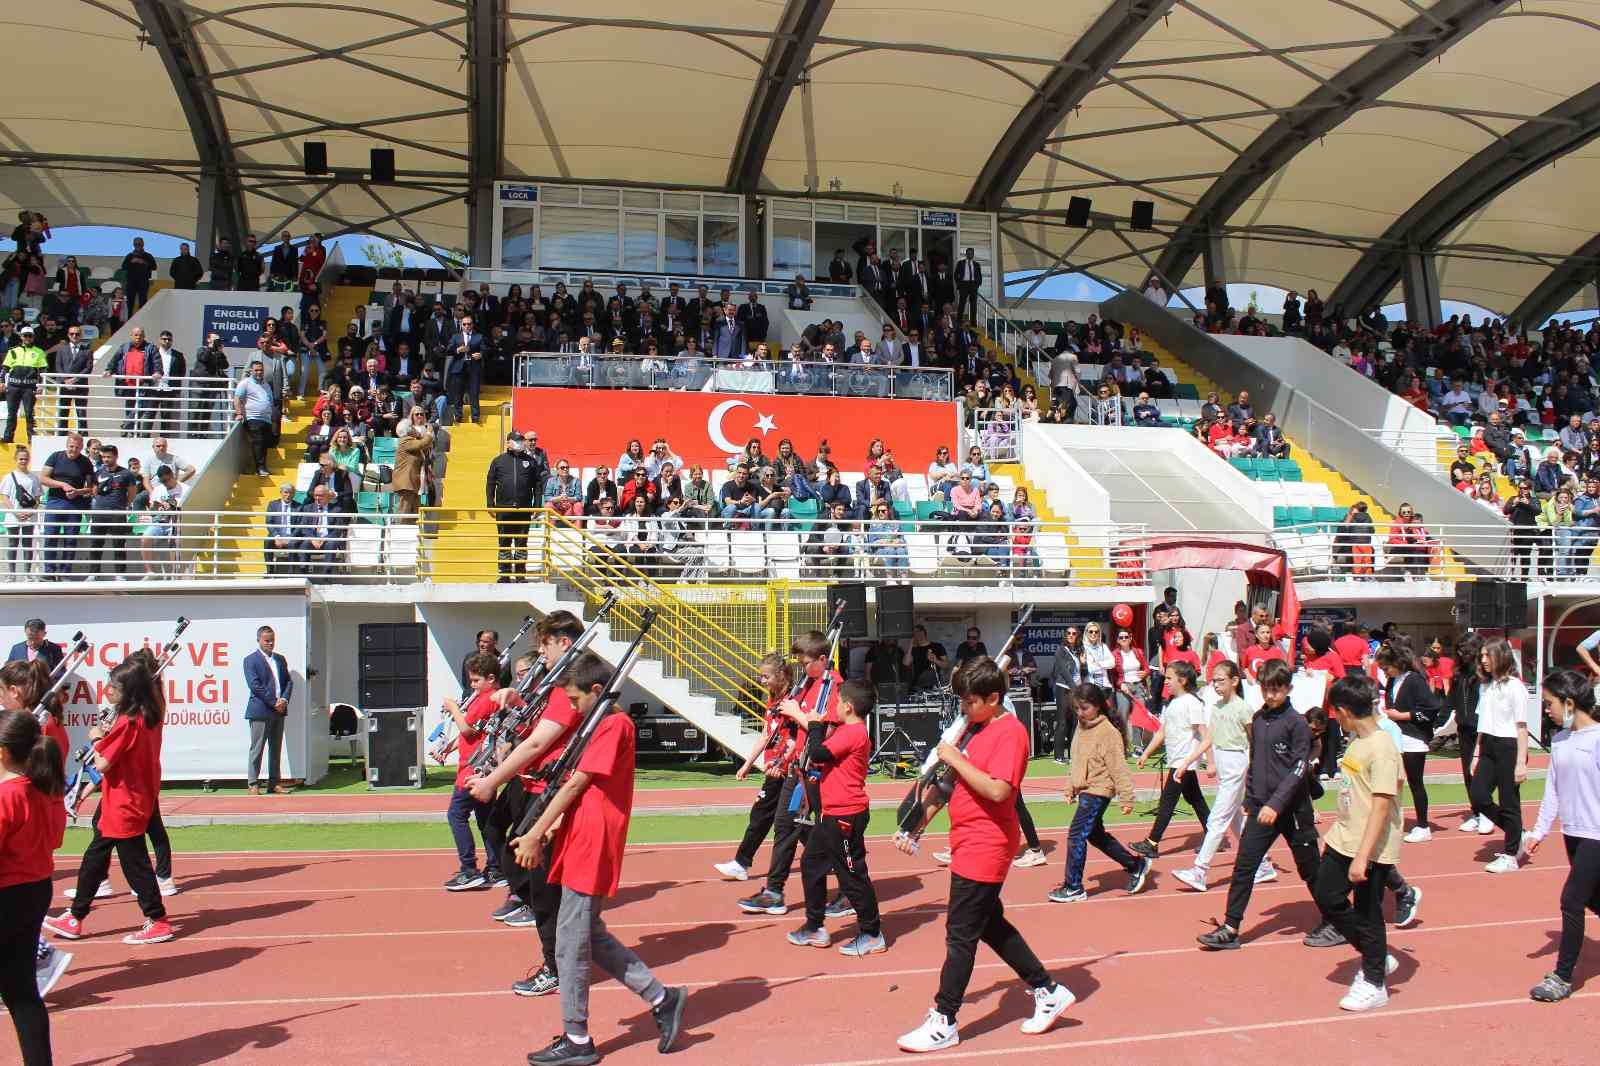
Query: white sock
point(580, 1040)
point(662, 998)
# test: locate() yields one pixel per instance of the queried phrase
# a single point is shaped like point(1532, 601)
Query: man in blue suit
point(35, 646)
point(463, 374)
point(728, 335)
point(266, 674)
point(323, 534)
point(279, 548)
point(870, 490)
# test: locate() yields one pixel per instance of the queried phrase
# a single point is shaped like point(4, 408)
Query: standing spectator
point(252, 405)
point(411, 452)
point(185, 270)
point(167, 369)
point(138, 267)
point(20, 493)
point(464, 371)
point(127, 370)
point(312, 259)
point(509, 491)
point(969, 276)
point(753, 315)
point(284, 267)
point(266, 674)
point(114, 488)
point(74, 360)
point(69, 477)
point(222, 264)
point(249, 266)
point(24, 364)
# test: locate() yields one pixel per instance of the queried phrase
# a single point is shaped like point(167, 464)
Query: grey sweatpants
point(582, 941)
point(266, 737)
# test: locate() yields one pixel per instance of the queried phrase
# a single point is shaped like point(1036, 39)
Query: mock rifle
point(799, 687)
point(442, 741)
point(84, 775)
point(557, 772)
point(77, 652)
point(509, 723)
point(806, 800)
point(936, 784)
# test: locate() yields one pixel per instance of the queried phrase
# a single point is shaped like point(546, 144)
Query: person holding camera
point(161, 544)
point(211, 361)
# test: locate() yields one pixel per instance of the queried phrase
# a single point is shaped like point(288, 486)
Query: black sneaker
point(511, 906)
point(563, 1052)
point(1145, 848)
point(1219, 939)
point(839, 908)
point(1405, 906)
point(496, 879)
point(540, 982)
point(521, 918)
point(764, 902)
point(669, 1017)
point(1324, 936)
point(1140, 877)
point(465, 881)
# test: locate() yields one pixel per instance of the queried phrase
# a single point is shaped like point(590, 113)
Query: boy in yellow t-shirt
point(1363, 844)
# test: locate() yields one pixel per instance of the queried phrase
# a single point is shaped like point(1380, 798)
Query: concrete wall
point(1067, 485)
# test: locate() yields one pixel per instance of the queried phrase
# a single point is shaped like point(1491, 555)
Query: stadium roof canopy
point(1311, 144)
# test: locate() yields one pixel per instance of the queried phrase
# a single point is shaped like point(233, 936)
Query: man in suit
point(941, 288)
point(436, 334)
point(266, 675)
point(870, 490)
point(753, 316)
point(401, 321)
point(371, 377)
point(35, 646)
point(404, 366)
point(673, 303)
point(463, 377)
point(969, 275)
point(278, 548)
point(322, 534)
point(728, 336)
point(913, 283)
point(1270, 443)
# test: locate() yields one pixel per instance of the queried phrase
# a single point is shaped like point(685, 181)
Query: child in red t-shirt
point(984, 832)
point(483, 674)
point(1263, 650)
point(128, 755)
point(592, 809)
point(32, 821)
point(838, 841)
point(777, 748)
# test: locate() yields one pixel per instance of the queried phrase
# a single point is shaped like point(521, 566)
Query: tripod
point(905, 758)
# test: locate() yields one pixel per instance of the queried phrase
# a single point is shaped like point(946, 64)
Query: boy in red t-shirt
point(592, 809)
point(483, 674)
point(775, 750)
point(984, 832)
point(838, 840)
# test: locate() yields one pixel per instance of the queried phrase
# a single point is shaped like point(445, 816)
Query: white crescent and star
point(764, 423)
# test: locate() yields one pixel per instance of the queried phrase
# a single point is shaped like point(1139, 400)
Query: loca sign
point(237, 325)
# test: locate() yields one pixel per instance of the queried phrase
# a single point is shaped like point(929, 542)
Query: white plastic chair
point(366, 546)
point(718, 559)
point(748, 550)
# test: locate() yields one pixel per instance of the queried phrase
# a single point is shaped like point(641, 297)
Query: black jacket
point(512, 481)
point(1280, 750)
point(1410, 693)
point(1464, 690)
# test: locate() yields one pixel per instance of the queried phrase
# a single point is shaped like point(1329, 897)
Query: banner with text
point(206, 736)
point(593, 426)
point(237, 324)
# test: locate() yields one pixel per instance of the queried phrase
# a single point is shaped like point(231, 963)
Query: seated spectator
point(1107, 407)
point(600, 488)
point(1497, 436)
point(385, 417)
point(562, 493)
point(606, 527)
point(750, 458)
point(790, 465)
point(870, 490)
point(638, 483)
point(1241, 409)
point(1550, 474)
point(1456, 404)
point(698, 500)
point(1146, 413)
point(977, 467)
point(992, 541)
point(832, 491)
point(320, 438)
point(1211, 410)
point(828, 546)
point(1022, 509)
point(966, 500)
point(1270, 442)
point(1573, 437)
point(797, 295)
point(660, 453)
point(942, 474)
point(639, 535)
point(1485, 492)
point(886, 542)
point(629, 459)
point(991, 499)
point(738, 496)
point(323, 528)
point(772, 498)
point(1030, 404)
point(667, 483)
point(345, 451)
point(338, 481)
point(1155, 382)
point(823, 462)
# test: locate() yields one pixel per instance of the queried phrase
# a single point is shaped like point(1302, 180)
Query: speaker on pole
point(1078, 211)
point(316, 153)
point(383, 166)
point(896, 606)
point(854, 595)
point(1143, 216)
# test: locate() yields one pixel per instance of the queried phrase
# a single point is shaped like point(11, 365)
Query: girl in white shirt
point(1183, 718)
point(1501, 764)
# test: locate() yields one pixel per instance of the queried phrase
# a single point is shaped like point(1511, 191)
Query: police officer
point(24, 363)
point(509, 492)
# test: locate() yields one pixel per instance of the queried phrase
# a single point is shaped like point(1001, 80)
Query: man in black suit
point(323, 534)
point(437, 333)
point(404, 365)
point(402, 322)
point(969, 275)
point(941, 288)
point(463, 376)
point(35, 646)
point(754, 317)
point(913, 282)
point(673, 303)
point(838, 268)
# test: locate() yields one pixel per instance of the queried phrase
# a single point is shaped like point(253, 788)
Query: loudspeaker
point(383, 166)
point(896, 605)
point(1492, 604)
point(1143, 216)
point(392, 665)
point(1078, 211)
point(669, 735)
point(854, 596)
point(394, 749)
point(920, 723)
point(1022, 707)
point(1514, 613)
point(316, 153)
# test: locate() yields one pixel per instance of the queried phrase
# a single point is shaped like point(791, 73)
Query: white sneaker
point(47, 973)
point(934, 1034)
point(732, 871)
point(1266, 872)
point(1419, 834)
point(1503, 864)
point(1031, 857)
point(1468, 826)
point(1195, 879)
point(167, 885)
point(1363, 996)
point(1048, 1004)
point(102, 892)
point(941, 857)
point(1485, 826)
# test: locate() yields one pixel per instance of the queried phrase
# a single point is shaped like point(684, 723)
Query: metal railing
point(1397, 551)
point(606, 282)
point(1033, 361)
point(1421, 446)
point(123, 406)
point(705, 374)
point(998, 431)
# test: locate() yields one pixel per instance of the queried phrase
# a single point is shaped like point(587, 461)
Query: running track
point(359, 957)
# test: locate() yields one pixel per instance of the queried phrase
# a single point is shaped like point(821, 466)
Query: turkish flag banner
point(593, 426)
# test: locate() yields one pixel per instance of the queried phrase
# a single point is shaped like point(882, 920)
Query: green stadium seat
point(1185, 391)
point(926, 509)
point(1289, 470)
point(1281, 516)
point(1244, 465)
point(904, 510)
point(1330, 514)
point(804, 512)
point(1303, 515)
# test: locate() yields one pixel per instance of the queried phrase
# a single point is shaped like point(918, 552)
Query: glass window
point(683, 244)
point(639, 242)
point(721, 205)
point(904, 216)
point(578, 238)
point(721, 247)
point(895, 240)
point(516, 238)
point(681, 201)
point(791, 247)
point(601, 197)
point(832, 212)
point(791, 209)
point(858, 213)
point(641, 198)
point(558, 194)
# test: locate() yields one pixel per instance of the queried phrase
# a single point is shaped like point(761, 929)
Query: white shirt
point(28, 483)
point(1179, 719)
point(1502, 706)
point(156, 462)
point(167, 520)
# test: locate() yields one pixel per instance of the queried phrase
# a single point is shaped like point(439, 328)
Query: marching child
point(776, 749)
point(1501, 763)
point(483, 675)
point(1572, 792)
point(1363, 844)
point(1099, 772)
point(592, 809)
point(127, 754)
point(838, 841)
point(984, 833)
point(32, 823)
point(1183, 719)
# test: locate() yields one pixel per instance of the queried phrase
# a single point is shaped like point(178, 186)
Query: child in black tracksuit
point(1276, 800)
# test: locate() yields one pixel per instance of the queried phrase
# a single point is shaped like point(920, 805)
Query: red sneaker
point(158, 931)
point(64, 926)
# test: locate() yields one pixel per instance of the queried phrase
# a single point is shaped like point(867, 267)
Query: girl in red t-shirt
point(1251, 658)
point(128, 756)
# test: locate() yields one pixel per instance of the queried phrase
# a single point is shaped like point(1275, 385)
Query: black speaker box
point(394, 749)
point(896, 606)
point(1492, 604)
point(1143, 216)
point(854, 596)
point(316, 153)
point(920, 723)
point(392, 665)
point(669, 735)
point(1514, 613)
point(383, 166)
point(1022, 706)
point(1078, 211)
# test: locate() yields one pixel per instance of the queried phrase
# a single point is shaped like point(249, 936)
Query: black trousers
point(1177, 786)
point(1332, 748)
point(18, 398)
point(157, 832)
point(838, 843)
point(1298, 826)
point(1064, 726)
point(72, 397)
point(975, 913)
point(1581, 892)
point(967, 301)
point(512, 527)
point(135, 862)
point(260, 433)
point(763, 813)
point(22, 911)
point(1355, 910)
point(109, 540)
point(1469, 749)
point(1416, 764)
point(788, 835)
point(1030, 834)
point(1497, 774)
point(530, 886)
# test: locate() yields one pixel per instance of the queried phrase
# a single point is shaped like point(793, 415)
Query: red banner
point(593, 426)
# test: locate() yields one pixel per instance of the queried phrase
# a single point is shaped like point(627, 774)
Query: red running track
point(359, 957)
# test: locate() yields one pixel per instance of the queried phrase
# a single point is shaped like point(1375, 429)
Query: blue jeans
point(1583, 542)
point(463, 807)
point(1088, 827)
point(62, 524)
point(732, 511)
point(894, 556)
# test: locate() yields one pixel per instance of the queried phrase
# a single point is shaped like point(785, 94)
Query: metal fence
point(123, 406)
point(998, 431)
point(687, 373)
